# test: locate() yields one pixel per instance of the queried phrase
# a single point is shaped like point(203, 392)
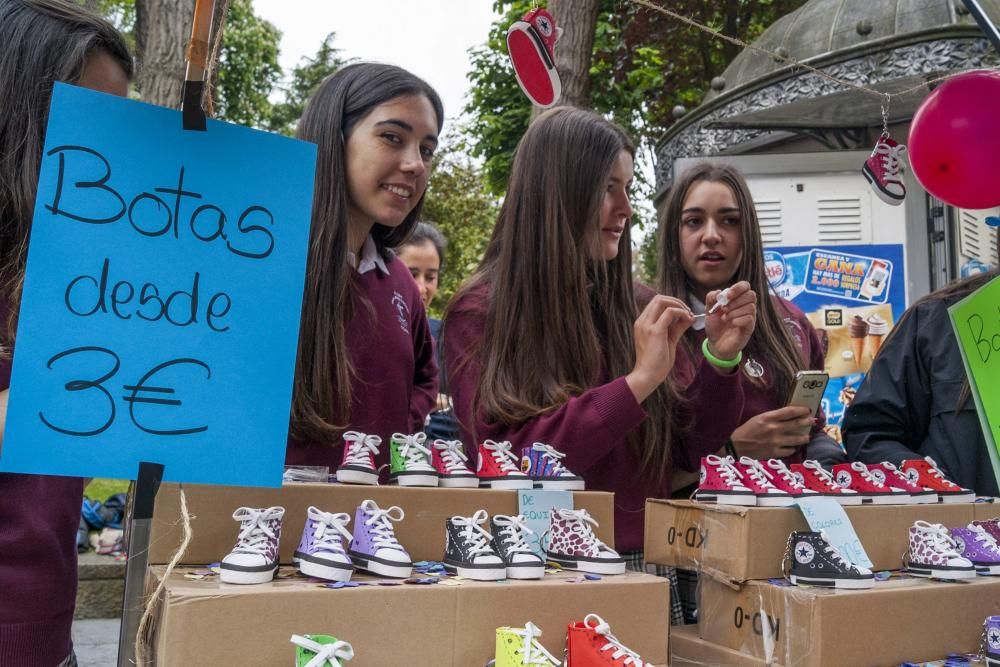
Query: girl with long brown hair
point(366, 358)
point(545, 341)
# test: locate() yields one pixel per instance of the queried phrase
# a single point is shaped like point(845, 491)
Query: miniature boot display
point(410, 461)
point(925, 472)
point(498, 467)
point(814, 476)
point(572, 544)
point(990, 647)
point(977, 545)
point(509, 541)
point(467, 549)
point(542, 463)
point(991, 526)
point(374, 547)
point(933, 553)
point(758, 479)
point(321, 651)
point(722, 483)
point(358, 465)
point(785, 480)
point(816, 562)
point(895, 478)
point(449, 460)
point(883, 170)
point(520, 646)
point(591, 644)
point(857, 477)
point(254, 559)
point(321, 550)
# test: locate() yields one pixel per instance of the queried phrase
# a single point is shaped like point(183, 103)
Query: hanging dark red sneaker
point(530, 44)
point(884, 171)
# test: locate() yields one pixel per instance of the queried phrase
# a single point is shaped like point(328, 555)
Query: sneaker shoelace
point(936, 472)
point(361, 448)
point(580, 522)
point(823, 474)
point(330, 529)
point(866, 474)
point(891, 160)
point(939, 538)
point(619, 651)
point(505, 459)
point(898, 474)
point(512, 532)
point(477, 540)
point(381, 520)
point(255, 533)
point(779, 466)
point(531, 652)
point(757, 472)
point(984, 538)
point(835, 554)
point(412, 449)
point(326, 654)
point(553, 455)
point(726, 468)
point(453, 455)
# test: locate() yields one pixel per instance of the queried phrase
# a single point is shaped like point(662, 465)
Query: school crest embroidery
point(402, 312)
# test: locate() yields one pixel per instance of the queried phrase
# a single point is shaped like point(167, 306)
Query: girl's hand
point(657, 331)
point(774, 434)
point(729, 328)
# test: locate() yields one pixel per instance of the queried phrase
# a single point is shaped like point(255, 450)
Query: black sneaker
point(816, 562)
point(467, 550)
point(508, 541)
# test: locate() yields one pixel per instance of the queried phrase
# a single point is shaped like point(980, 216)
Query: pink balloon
point(954, 144)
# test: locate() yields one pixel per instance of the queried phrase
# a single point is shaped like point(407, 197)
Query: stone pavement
point(96, 642)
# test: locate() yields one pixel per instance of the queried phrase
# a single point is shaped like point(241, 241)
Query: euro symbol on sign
point(139, 395)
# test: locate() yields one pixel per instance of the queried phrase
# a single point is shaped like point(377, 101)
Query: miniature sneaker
point(757, 478)
point(542, 464)
point(591, 644)
point(883, 170)
point(374, 547)
point(785, 480)
point(816, 562)
point(498, 469)
point(321, 550)
point(358, 466)
point(410, 461)
point(894, 478)
point(321, 651)
point(449, 460)
point(722, 483)
point(925, 472)
point(991, 526)
point(813, 475)
point(508, 541)
point(857, 477)
point(467, 549)
point(573, 546)
point(933, 553)
point(254, 559)
point(519, 646)
point(977, 545)
point(990, 646)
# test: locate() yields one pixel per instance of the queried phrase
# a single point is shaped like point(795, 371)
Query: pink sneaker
point(358, 466)
point(814, 476)
point(785, 479)
point(722, 483)
point(449, 460)
point(758, 479)
point(884, 171)
point(856, 476)
point(895, 478)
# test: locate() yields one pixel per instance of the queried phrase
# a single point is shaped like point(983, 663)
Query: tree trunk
point(162, 31)
point(573, 51)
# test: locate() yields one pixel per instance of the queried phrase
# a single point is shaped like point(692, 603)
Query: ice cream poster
point(853, 296)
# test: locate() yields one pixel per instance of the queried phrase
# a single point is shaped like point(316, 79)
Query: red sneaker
point(449, 460)
point(925, 472)
point(814, 476)
point(785, 479)
point(531, 44)
point(758, 479)
point(591, 644)
point(894, 478)
point(722, 483)
point(884, 171)
point(856, 476)
point(498, 467)
point(358, 465)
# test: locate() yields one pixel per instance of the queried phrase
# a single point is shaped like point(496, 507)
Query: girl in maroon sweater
point(41, 41)
point(366, 358)
point(545, 342)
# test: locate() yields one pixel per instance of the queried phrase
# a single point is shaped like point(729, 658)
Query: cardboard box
point(208, 623)
point(743, 543)
point(900, 620)
point(986, 511)
point(687, 649)
point(421, 532)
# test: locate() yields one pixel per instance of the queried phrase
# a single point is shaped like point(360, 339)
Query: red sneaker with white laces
point(884, 171)
point(925, 472)
point(785, 479)
point(590, 644)
point(894, 478)
point(759, 480)
point(858, 477)
point(499, 467)
point(722, 483)
point(814, 476)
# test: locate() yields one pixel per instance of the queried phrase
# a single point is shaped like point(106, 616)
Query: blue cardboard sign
point(827, 515)
point(536, 507)
point(160, 314)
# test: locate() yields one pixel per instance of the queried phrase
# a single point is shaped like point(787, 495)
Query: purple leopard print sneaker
point(254, 559)
point(321, 550)
point(572, 544)
point(934, 553)
point(977, 545)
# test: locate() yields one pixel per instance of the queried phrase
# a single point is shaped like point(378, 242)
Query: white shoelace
point(453, 455)
point(823, 474)
point(415, 454)
point(891, 160)
point(601, 627)
point(554, 455)
point(326, 654)
point(725, 467)
point(505, 458)
point(533, 653)
point(899, 474)
point(936, 472)
point(939, 538)
point(361, 448)
point(779, 466)
point(476, 538)
point(757, 472)
point(580, 522)
point(866, 474)
point(512, 531)
point(383, 534)
point(254, 531)
point(835, 553)
point(984, 538)
point(330, 528)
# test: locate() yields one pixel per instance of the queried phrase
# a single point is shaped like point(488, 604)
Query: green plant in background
point(305, 78)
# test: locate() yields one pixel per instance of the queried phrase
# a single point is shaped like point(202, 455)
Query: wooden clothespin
point(197, 63)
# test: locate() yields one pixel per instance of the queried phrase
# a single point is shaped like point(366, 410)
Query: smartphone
point(808, 389)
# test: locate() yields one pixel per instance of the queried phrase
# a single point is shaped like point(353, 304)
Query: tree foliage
point(248, 68)
point(304, 80)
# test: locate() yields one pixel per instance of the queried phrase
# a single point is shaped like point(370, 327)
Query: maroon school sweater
point(390, 345)
point(39, 517)
point(592, 428)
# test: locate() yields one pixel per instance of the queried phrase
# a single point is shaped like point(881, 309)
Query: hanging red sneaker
point(884, 171)
point(531, 45)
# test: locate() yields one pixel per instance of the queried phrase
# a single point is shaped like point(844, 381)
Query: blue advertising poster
point(853, 296)
point(160, 314)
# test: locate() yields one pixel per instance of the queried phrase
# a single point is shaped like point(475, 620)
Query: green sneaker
point(320, 651)
point(410, 461)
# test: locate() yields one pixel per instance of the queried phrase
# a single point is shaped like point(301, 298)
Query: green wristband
point(721, 363)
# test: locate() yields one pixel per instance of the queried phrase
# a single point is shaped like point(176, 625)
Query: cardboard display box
point(985, 511)
point(903, 619)
point(688, 649)
point(208, 623)
point(743, 543)
point(422, 531)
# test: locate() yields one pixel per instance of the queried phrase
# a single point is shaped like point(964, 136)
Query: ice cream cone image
point(877, 329)
point(858, 331)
